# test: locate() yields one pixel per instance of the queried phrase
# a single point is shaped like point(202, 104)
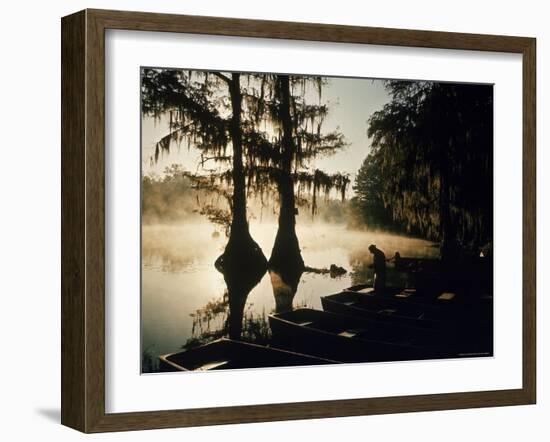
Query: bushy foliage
point(430, 168)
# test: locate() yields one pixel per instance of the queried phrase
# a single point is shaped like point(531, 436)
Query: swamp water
point(184, 298)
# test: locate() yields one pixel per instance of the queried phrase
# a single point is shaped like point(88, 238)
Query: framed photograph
point(266, 220)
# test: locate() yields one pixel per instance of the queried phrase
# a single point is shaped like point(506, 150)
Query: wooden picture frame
point(83, 220)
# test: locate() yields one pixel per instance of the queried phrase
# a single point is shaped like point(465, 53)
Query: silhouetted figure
point(379, 265)
point(397, 261)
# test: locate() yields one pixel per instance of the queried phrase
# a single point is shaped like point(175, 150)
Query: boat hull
point(224, 354)
point(349, 339)
point(466, 331)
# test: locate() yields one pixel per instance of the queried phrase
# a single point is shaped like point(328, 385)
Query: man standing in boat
point(379, 265)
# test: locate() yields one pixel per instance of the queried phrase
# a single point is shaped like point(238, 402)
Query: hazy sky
point(351, 102)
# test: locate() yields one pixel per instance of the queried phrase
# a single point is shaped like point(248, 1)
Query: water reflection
point(187, 302)
point(213, 321)
point(240, 282)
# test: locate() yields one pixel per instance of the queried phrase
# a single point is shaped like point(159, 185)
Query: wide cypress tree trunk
point(286, 249)
point(239, 224)
point(242, 254)
point(242, 263)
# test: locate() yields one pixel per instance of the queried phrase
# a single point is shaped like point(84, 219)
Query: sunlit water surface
point(179, 280)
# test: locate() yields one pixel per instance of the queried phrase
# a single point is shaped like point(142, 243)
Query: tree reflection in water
point(285, 285)
point(230, 316)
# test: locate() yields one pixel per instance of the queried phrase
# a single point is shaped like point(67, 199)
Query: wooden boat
point(435, 305)
point(224, 354)
point(435, 298)
point(350, 339)
point(463, 329)
point(381, 308)
point(432, 304)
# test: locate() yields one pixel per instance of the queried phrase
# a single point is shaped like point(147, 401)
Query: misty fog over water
point(262, 193)
point(179, 278)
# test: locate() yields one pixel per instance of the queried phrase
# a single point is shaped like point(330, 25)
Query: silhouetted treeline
point(430, 168)
point(168, 198)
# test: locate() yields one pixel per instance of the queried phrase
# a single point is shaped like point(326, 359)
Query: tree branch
point(222, 77)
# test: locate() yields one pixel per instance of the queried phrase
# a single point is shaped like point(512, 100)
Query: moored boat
point(440, 305)
point(465, 328)
point(224, 354)
point(434, 305)
point(410, 295)
point(350, 339)
point(381, 308)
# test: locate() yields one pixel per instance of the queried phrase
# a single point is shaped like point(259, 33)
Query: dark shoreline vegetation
point(427, 175)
